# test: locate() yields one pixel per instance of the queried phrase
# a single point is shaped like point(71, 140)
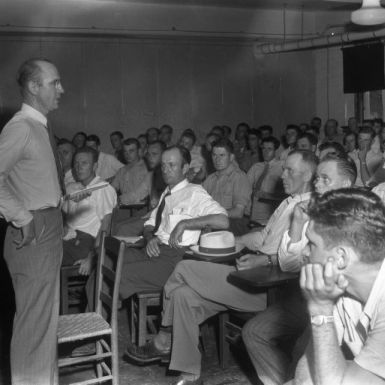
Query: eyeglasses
point(324, 179)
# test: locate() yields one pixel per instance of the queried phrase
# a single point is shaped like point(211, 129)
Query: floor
point(240, 370)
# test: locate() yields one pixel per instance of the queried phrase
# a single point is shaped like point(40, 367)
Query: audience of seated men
point(184, 209)
point(86, 216)
point(287, 319)
point(79, 139)
point(198, 290)
point(66, 151)
point(229, 185)
point(343, 288)
point(367, 161)
point(108, 165)
point(265, 180)
point(289, 141)
point(253, 153)
point(116, 139)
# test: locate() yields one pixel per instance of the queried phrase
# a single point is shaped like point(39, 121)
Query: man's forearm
point(329, 362)
point(215, 221)
point(148, 232)
point(236, 211)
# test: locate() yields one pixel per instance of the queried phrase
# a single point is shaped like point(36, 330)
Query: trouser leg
point(262, 334)
point(35, 271)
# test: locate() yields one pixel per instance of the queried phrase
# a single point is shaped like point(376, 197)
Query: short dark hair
point(349, 133)
point(129, 141)
point(244, 124)
point(88, 150)
point(310, 137)
point(366, 130)
point(266, 127)
point(308, 157)
point(345, 166)
point(143, 136)
point(159, 143)
point(219, 128)
point(351, 217)
point(339, 149)
point(93, 138)
point(81, 133)
point(227, 128)
point(293, 127)
point(30, 71)
point(185, 154)
point(117, 133)
point(224, 143)
point(189, 134)
point(167, 126)
point(272, 139)
point(254, 131)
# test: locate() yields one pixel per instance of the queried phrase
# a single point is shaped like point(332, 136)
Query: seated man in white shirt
point(66, 152)
point(88, 215)
point(198, 290)
point(287, 318)
point(367, 161)
point(343, 284)
point(108, 165)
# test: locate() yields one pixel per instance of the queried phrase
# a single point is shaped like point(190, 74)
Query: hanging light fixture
point(371, 13)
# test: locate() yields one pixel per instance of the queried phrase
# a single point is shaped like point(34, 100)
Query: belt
point(45, 210)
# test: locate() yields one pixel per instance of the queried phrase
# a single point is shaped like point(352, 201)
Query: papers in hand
point(128, 239)
point(89, 189)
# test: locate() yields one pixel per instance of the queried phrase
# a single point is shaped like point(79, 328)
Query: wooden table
point(271, 278)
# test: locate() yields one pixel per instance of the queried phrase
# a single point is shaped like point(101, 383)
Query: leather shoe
point(147, 353)
point(184, 381)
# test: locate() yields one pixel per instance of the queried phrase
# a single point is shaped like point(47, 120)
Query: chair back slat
point(106, 299)
point(109, 271)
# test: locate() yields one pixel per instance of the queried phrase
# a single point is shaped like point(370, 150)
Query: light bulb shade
point(371, 13)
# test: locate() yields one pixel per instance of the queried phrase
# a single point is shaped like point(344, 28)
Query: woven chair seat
point(74, 327)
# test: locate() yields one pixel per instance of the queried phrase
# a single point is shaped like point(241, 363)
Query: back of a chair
point(108, 275)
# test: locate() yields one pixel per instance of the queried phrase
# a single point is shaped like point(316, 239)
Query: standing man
point(29, 198)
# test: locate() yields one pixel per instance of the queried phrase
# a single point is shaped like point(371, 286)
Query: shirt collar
point(301, 197)
point(94, 181)
point(179, 186)
point(33, 113)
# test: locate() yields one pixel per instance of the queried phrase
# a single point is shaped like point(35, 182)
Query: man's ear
point(185, 168)
point(343, 255)
point(33, 87)
point(308, 176)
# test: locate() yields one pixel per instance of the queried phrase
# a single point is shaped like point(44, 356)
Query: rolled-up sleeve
point(290, 254)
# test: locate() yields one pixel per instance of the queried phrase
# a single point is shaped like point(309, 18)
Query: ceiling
point(204, 17)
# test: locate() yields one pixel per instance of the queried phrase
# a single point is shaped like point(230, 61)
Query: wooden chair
point(100, 326)
point(145, 308)
point(72, 285)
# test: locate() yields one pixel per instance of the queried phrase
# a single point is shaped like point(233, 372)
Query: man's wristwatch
point(319, 320)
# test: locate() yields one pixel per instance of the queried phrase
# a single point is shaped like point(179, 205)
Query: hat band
point(223, 250)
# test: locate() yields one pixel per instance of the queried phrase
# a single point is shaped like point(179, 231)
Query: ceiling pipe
point(319, 42)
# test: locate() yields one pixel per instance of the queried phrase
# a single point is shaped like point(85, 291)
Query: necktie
point(57, 160)
point(158, 217)
point(261, 178)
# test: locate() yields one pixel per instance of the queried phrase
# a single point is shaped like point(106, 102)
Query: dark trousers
point(284, 321)
point(77, 248)
point(35, 273)
point(139, 272)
